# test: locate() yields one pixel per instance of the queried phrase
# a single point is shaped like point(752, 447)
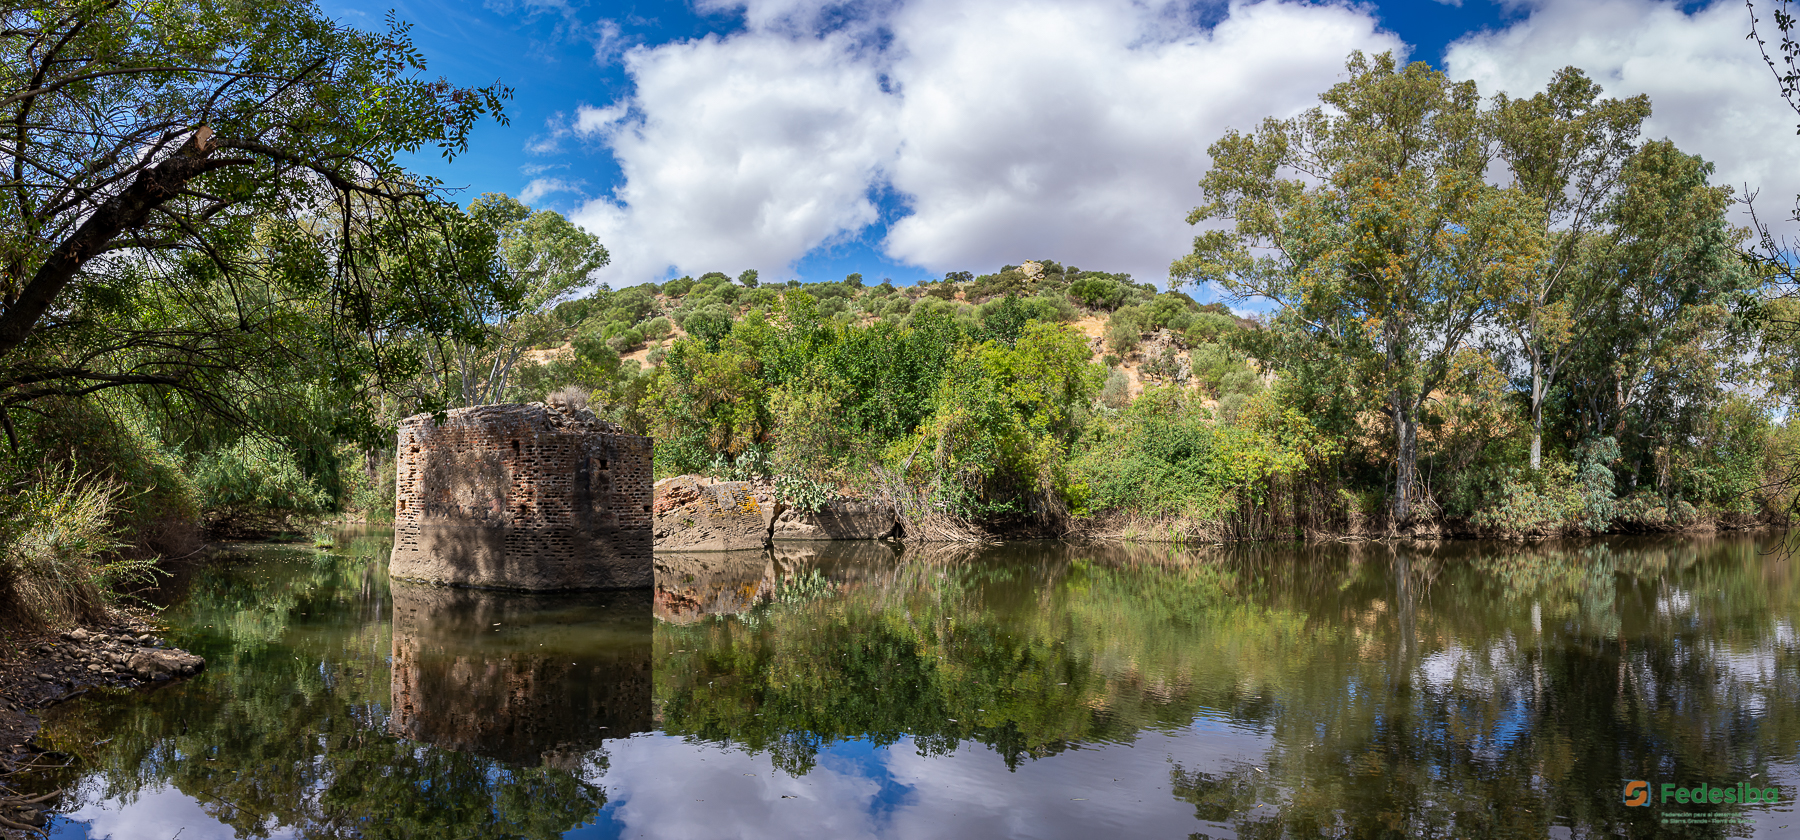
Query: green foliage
point(54, 530)
point(1096, 290)
point(1125, 329)
point(1166, 455)
point(802, 493)
point(1543, 502)
point(257, 230)
point(254, 485)
point(1595, 477)
point(1004, 419)
point(111, 441)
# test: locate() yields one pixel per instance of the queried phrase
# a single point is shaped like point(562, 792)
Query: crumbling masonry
point(529, 497)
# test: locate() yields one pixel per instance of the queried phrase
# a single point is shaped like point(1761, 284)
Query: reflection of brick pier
point(559, 675)
point(530, 497)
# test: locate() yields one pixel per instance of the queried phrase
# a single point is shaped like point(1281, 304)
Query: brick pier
point(525, 497)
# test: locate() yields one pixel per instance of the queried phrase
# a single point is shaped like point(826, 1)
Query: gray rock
point(698, 514)
point(841, 519)
point(151, 664)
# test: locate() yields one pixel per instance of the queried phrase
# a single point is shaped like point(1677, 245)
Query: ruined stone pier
point(524, 497)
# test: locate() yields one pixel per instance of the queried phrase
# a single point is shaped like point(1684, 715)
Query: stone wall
point(529, 497)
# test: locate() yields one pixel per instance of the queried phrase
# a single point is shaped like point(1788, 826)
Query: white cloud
point(537, 188)
point(739, 152)
point(590, 121)
point(1711, 92)
point(1086, 134)
point(609, 40)
point(1070, 130)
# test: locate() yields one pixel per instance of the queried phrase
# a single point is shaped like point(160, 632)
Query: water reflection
point(1454, 690)
point(526, 679)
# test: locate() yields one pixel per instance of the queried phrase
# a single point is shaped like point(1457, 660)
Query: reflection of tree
point(1448, 691)
point(1444, 691)
point(284, 729)
point(1521, 724)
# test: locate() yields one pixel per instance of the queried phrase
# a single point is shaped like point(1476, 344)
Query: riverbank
point(40, 670)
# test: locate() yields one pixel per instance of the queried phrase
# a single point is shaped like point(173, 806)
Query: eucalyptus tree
point(1369, 223)
point(1665, 346)
point(542, 257)
point(1565, 147)
point(191, 190)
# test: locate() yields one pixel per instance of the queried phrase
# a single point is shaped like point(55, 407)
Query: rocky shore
point(126, 654)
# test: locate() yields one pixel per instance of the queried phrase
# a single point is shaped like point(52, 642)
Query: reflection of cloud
point(663, 786)
point(153, 813)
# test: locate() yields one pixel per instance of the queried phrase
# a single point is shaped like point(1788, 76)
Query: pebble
point(46, 678)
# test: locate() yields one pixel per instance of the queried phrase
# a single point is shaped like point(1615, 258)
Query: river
point(1040, 690)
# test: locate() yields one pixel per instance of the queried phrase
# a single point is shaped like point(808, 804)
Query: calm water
point(1029, 690)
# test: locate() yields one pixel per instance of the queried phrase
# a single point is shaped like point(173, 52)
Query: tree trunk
point(1406, 456)
point(128, 210)
point(1537, 415)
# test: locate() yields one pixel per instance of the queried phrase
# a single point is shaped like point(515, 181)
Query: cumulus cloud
point(1078, 132)
point(1072, 130)
point(739, 152)
point(537, 188)
point(1711, 92)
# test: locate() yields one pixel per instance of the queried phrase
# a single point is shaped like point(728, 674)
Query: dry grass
point(922, 517)
point(59, 551)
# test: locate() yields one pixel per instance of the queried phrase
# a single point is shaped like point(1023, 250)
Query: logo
point(1637, 793)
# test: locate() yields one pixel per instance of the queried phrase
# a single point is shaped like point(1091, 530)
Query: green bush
point(1116, 393)
point(1097, 291)
point(1166, 455)
point(1124, 330)
point(626, 341)
point(254, 486)
point(1546, 503)
point(368, 488)
point(114, 443)
point(656, 328)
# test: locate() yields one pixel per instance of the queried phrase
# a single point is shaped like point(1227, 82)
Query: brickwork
point(530, 497)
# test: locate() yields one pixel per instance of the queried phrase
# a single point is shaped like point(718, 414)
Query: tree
point(1665, 343)
point(1565, 148)
point(542, 256)
point(234, 161)
point(1371, 227)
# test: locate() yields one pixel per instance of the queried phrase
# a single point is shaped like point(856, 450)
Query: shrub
point(1546, 503)
point(1117, 390)
point(656, 328)
point(254, 485)
point(162, 512)
point(1125, 329)
point(368, 488)
point(58, 548)
point(1164, 455)
point(1097, 291)
point(626, 341)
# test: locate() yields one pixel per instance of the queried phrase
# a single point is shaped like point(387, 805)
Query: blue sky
point(908, 138)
